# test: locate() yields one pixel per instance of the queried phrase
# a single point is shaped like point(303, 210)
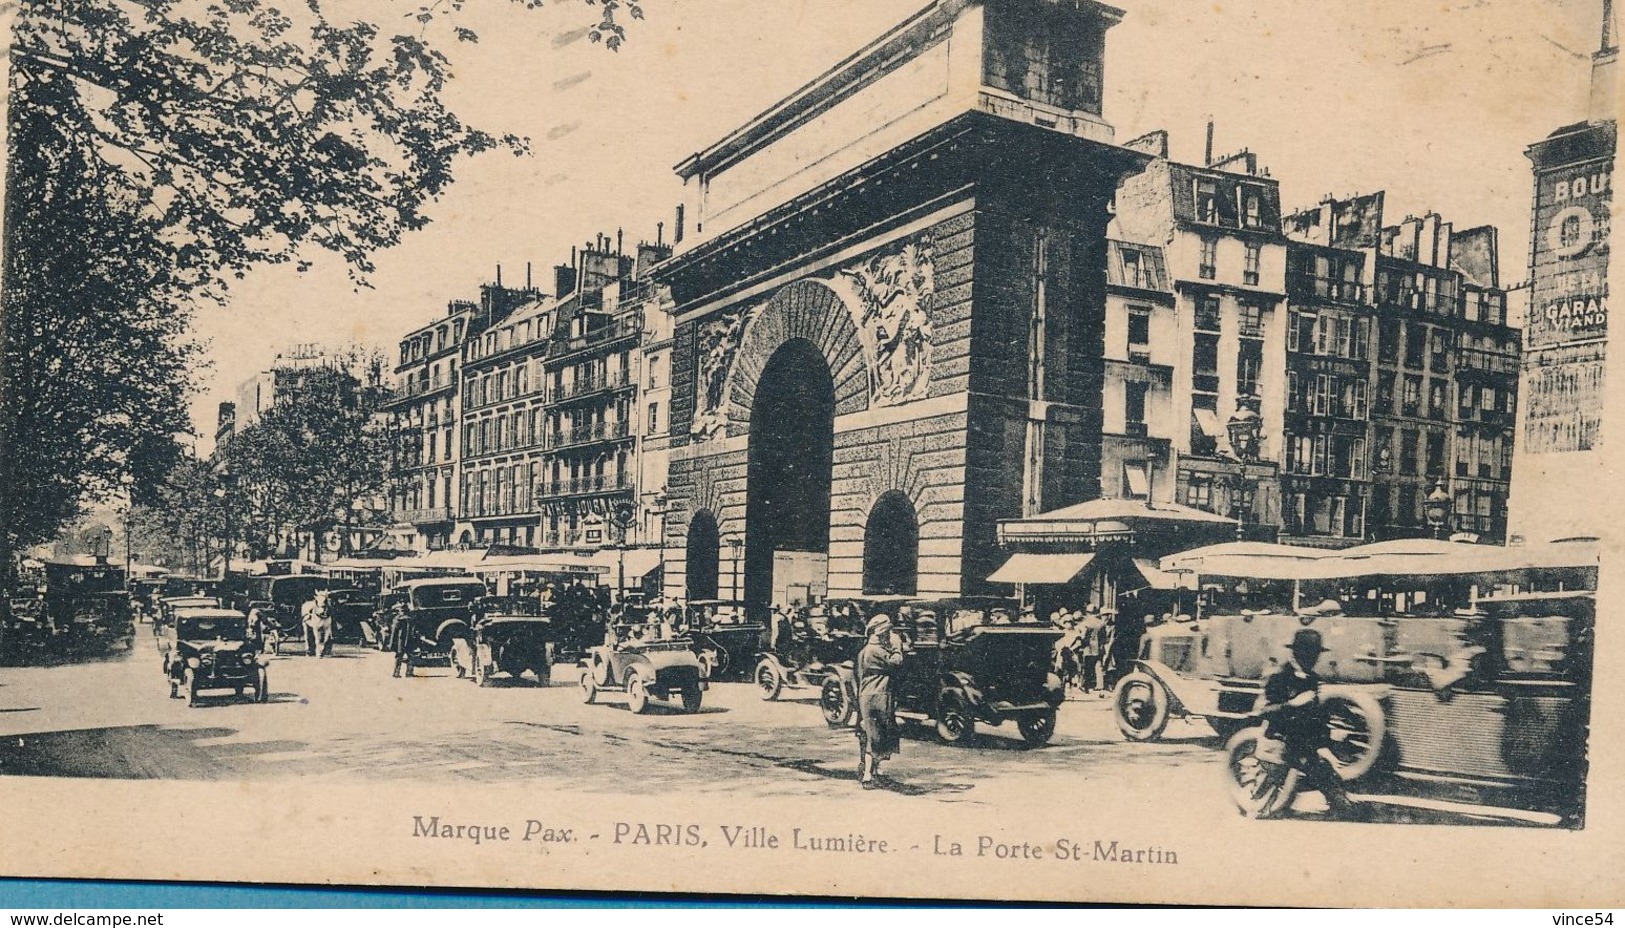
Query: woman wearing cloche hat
point(877, 707)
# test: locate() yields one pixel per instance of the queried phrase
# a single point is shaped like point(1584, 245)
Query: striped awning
point(1041, 568)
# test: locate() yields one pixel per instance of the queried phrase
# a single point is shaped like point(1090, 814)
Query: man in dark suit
point(1296, 716)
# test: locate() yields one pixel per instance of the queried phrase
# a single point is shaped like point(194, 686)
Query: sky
point(1431, 100)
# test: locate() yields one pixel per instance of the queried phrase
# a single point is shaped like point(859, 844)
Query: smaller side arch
point(704, 554)
point(891, 547)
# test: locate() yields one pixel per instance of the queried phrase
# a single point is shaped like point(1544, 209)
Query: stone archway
point(704, 553)
point(790, 471)
point(891, 547)
point(810, 311)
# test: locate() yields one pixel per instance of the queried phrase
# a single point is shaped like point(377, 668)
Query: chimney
point(677, 230)
point(1207, 159)
point(527, 277)
point(660, 233)
point(1602, 69)
point(564, 279)
point(620, 241)
point(499, 275)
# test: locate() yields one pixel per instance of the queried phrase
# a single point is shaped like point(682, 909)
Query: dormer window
point(1207, 201)
point(1252, 209)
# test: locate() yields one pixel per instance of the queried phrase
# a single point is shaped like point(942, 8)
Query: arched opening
point(703, 552)
point(792, 457)
point(891, 547)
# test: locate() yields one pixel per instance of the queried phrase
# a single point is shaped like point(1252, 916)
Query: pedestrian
point(877, 707)
point(1296, 716)
point(1091, 634)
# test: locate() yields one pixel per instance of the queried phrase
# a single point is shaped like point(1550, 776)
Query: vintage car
point(724, 640)
point(163, 619)
point(959, 669)
point(432, 624)
point(807, 647)
point(211, 649)
point(1449, 673)
point(351, 610)
point(511, 636)
point(644, 666)
point(71, 608)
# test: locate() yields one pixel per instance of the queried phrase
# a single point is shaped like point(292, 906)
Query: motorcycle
point(1263, 780)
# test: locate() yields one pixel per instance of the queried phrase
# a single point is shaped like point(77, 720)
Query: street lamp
point(223, 494)
point(128, 481)
point(1244, 427)
point(735, 543)
point(1438, 510)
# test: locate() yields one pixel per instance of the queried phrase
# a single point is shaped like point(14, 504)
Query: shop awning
point(1208, 421)
point(1155, 577)
point(1041, 568)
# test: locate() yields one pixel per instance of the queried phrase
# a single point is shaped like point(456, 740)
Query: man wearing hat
point(1295, 715)
point(877, 707)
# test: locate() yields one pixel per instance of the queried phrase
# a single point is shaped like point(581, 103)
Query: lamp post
point(223, 494)
point(735, 543)
point(128, 481)
point(1244, 427)
point(1438, 510)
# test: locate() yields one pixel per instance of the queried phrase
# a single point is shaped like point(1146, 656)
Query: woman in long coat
point(877, 707)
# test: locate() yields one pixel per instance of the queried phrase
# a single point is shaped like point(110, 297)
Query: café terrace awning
point(1155, 577)
point(1101, 520)
point(1041, 568)
point(1419, 557)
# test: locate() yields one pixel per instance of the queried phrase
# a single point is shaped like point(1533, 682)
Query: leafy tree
point(160, 149)
point(311, 455)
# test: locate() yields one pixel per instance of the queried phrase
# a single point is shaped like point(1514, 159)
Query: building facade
point(1402, 376)
point(1216, 231)
point(1566, 336)
point(889, 323)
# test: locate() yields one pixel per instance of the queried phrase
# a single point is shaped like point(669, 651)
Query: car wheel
point(544, 674)
point(1259, 788)
point(692, 695)
point(1359, 732)
point(768, 679)
point(190, 685)
point(637, 694)
point(1037, 727)
point(589, 688)
point(1141, 707)
point(262, 686)
point(833, 702)
point(954, 724)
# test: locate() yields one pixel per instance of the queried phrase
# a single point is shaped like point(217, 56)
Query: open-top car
point(511, 636)
point(433, 623)
point(211, 649)
point(723, 639)
point(807, 646)
point(959, 668)
point(645, 666)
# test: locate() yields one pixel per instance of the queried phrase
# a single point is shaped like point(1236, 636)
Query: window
point(1137, 482)
point(1300, 335)
point(1207, 314)
point(1251, 275)
point(1300, 450)
point(1435, 461)
point(1321, 404)
point(1133, 268)
point(1139, 328)
point(1205, 363)
point(1199, 491)
point(1408, 441)
point(1252, 322)
point(1134, 408)
point(1415, 343)
point(1207, 201)
point(654, 371)
point(1438, 397)
point(1388, 341)
point(1362, 340)
point(1412, 398)
point(1252, 208)
point(1249, 361)
point(654, 418)
point(1345, 337)
point(1358, 408)
point(1209, 265)
point(1294, 394)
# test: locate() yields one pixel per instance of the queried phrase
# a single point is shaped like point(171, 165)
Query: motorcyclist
point(1295, 715)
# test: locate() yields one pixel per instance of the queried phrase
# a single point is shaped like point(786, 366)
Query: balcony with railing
point(424, 516)
point(588, 434)
point(1489, 362)
point(586, 486)
point(629, 325)
point(587, 386)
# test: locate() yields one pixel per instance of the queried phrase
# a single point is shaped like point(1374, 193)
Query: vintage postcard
point(1161, 452)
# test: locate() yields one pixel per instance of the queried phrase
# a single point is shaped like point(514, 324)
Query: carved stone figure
point(719, 342)
point(893, 293)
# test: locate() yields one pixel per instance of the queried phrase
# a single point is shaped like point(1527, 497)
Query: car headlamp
point(193, 663)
